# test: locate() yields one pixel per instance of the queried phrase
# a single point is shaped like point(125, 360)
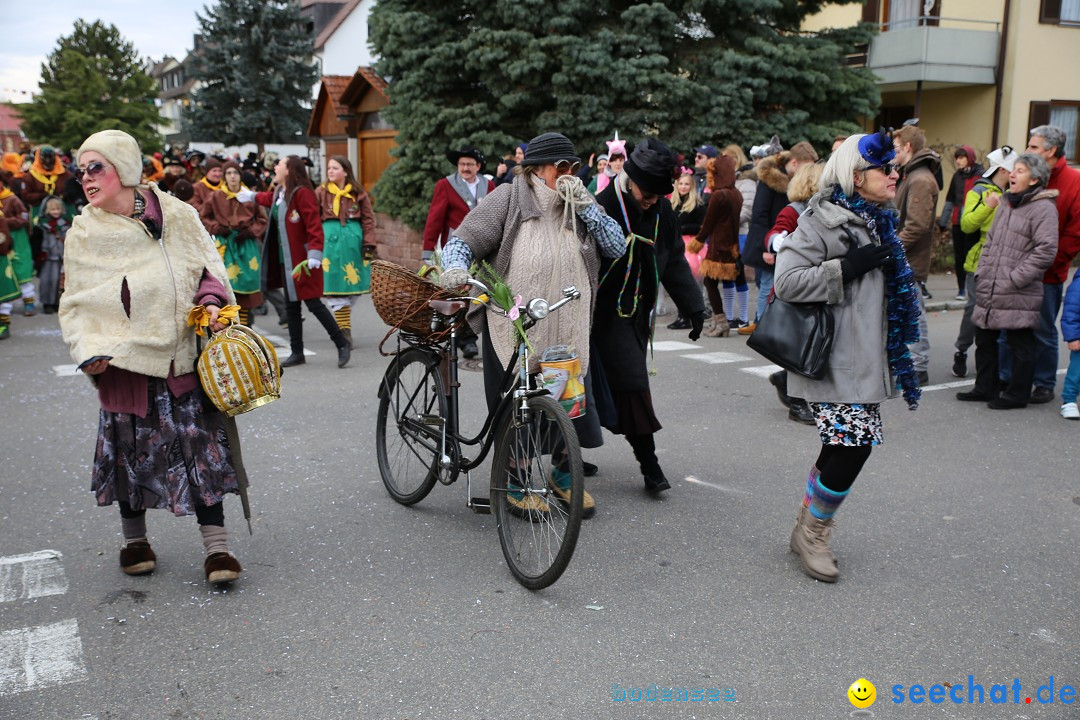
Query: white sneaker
point(1070, 411)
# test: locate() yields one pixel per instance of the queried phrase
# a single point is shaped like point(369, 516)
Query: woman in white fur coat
point(137, 260)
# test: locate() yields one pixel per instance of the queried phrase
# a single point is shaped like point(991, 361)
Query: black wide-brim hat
point(652, 166)
point(548, 149)
point(466, 152)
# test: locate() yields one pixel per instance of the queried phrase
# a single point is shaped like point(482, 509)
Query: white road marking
point(762, 370)
point(66, 370)
point(670, 345)
point(715, 486)
point(718, 358)
point(24, 577)
point(39, 657)
point(282, 343)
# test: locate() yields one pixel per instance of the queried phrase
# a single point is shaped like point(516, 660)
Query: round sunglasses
point(93, 171)
point(565, 167)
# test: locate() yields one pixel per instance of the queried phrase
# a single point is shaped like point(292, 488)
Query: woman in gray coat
point(1020, 247)
point(846, 253)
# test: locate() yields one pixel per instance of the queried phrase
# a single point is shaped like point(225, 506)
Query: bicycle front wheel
point(408, 430)
point(537, 485)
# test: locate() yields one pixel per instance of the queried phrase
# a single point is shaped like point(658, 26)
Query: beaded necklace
point(632, 240)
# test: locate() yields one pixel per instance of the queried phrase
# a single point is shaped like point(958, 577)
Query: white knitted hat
point(121, 150)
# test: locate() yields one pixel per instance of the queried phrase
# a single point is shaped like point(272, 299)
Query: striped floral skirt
point(175, 458)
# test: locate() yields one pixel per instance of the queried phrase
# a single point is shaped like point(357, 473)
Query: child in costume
point(616, 156)
point(54, 227)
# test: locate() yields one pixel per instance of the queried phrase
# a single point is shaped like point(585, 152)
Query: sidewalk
point(943, 288)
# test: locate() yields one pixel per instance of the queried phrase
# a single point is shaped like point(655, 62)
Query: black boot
point(681, 323)
point(799, 411)
point(779, 381)
point(326, 319)
point(296, 335)
point(645, 452)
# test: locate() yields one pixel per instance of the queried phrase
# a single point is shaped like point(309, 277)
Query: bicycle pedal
point(431, 420)
point(480, 505)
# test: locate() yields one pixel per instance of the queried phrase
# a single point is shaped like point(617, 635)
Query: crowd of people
point(629, 227)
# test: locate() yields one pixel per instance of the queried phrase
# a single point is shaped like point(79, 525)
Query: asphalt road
point(957, 547)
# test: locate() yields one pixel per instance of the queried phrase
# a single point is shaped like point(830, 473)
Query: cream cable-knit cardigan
point(103, 251)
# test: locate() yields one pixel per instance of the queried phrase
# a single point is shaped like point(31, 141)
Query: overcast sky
point(156, 28)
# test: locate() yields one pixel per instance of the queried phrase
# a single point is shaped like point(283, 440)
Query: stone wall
point(398, 243)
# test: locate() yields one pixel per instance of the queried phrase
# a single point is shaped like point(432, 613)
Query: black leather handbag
point(796, 336)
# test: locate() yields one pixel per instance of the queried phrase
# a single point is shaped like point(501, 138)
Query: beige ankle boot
point(810, 541)
point(719, 327)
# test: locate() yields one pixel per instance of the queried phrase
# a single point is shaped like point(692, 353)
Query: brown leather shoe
point(137, 558)
point(221, 567)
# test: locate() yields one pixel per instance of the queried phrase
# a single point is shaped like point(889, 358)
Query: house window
point(1060, 12)
point(1065, 114)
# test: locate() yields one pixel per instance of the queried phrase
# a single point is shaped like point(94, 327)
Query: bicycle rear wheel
point(537, 485)
point(412, 412)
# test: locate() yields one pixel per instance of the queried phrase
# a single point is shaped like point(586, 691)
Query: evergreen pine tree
point(497, 72)
point(254, 73)
point(92, 81)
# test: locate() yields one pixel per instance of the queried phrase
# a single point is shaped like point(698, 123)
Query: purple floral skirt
point(177, 457)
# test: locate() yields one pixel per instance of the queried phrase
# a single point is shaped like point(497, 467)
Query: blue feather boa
point(901, 292)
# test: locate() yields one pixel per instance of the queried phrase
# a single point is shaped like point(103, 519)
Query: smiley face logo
point(862, 693)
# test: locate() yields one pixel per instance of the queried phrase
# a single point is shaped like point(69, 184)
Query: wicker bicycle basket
point(400, 296)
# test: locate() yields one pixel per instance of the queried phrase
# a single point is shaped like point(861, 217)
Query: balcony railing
point(937, 50)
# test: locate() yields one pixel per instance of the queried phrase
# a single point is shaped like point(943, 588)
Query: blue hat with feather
point(877, 148)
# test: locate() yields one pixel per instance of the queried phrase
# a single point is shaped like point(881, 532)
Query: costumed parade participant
point(292, 256)
point(625, 299)
point(9, 289)
point(349, 240)
point(40, 184)
point(210, 183)
point(137, 260)
point(236, 228)
point(616, 156)
point(542, 232)
point(846, 252)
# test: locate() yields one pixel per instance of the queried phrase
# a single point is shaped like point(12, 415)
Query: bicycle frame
point(451, 440)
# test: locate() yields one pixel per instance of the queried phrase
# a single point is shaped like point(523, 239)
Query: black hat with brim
point(466, 152)
point(549, 149)
point(651, 166)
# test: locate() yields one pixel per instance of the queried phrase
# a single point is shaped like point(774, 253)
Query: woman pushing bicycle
point(541, 233)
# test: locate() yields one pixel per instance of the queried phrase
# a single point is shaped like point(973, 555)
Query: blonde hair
point(805, 182)
point(692, 198)
point(51, 201)
point(734, 151)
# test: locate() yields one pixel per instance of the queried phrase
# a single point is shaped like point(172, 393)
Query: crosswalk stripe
point(718, 358)
point(35, 658)
point(671, 345)
point(762, 370)
point(24, 577)
point(282, 343)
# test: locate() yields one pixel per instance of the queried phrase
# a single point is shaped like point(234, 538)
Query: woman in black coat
point(622, 318)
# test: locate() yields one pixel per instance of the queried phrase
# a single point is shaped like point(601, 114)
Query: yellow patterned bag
point(239, 370)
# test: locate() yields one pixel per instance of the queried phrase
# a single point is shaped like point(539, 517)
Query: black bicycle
point(537, 483)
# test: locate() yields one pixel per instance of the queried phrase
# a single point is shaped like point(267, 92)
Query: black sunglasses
point(887, 168)
point(93, 171)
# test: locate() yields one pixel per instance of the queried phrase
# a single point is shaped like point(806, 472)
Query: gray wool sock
point(134, 528)
point(215, 538)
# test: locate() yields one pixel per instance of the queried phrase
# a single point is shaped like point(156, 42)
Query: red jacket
point(446, 213)
point(304, 228)
point(1066, 181)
